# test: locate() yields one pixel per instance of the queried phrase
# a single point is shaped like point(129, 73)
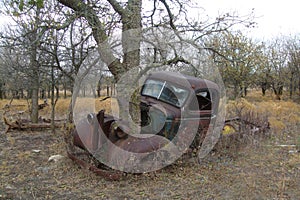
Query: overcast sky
point(275, 17)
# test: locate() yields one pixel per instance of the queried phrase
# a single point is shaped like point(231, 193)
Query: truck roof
point(184, 80)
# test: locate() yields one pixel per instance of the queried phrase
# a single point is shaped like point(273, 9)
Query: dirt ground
point(263, 170)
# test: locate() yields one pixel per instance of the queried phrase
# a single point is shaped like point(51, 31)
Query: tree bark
point(35, 88)
point(1, 91)
point(263, 88)
point(131, 34)
point(34, 69)
point(53, 99)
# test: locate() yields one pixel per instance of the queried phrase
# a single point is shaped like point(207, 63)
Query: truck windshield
point(165, 91)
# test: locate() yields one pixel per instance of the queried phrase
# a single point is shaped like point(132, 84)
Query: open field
point(264, 169)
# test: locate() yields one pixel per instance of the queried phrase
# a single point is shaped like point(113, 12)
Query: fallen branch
point(23, 124)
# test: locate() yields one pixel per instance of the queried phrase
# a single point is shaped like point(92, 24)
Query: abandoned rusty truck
point(175, 111)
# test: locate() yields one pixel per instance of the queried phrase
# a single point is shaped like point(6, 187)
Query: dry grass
point(61, 107)
point(281, 114)
point(265, 171)
point(283, 117)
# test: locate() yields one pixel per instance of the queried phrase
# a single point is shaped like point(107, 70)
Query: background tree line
point(49, 42)
point(245, 63)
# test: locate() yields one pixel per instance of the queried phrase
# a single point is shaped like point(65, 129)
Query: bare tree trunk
point(34, 69)
point(299, 85)
point(111, 89)
point(93, 91)
point(49, 91)
point(1, 90)
point(53, 100)
point(107, 90)
point(21, 93)
point(64, 85)
point(263, 88)
point(245, 91)
point(35, 89)
point(83, 91)
point(43, 93)
point(34, 105)
point(278, 90)
point(131, 35)
point(65, 92)
point(291, 86)
point(99, 88)
point(57, 91)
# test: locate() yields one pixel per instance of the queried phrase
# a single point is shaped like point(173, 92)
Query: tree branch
point(100, 36)
point(169, 14)
point(173, 61)
point(117, 7)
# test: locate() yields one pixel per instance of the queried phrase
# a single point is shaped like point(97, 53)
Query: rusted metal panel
point(160, 115)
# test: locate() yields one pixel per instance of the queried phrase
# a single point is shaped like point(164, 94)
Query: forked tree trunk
point(131, 37)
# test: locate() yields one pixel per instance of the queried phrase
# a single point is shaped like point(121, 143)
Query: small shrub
point(246, 125)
